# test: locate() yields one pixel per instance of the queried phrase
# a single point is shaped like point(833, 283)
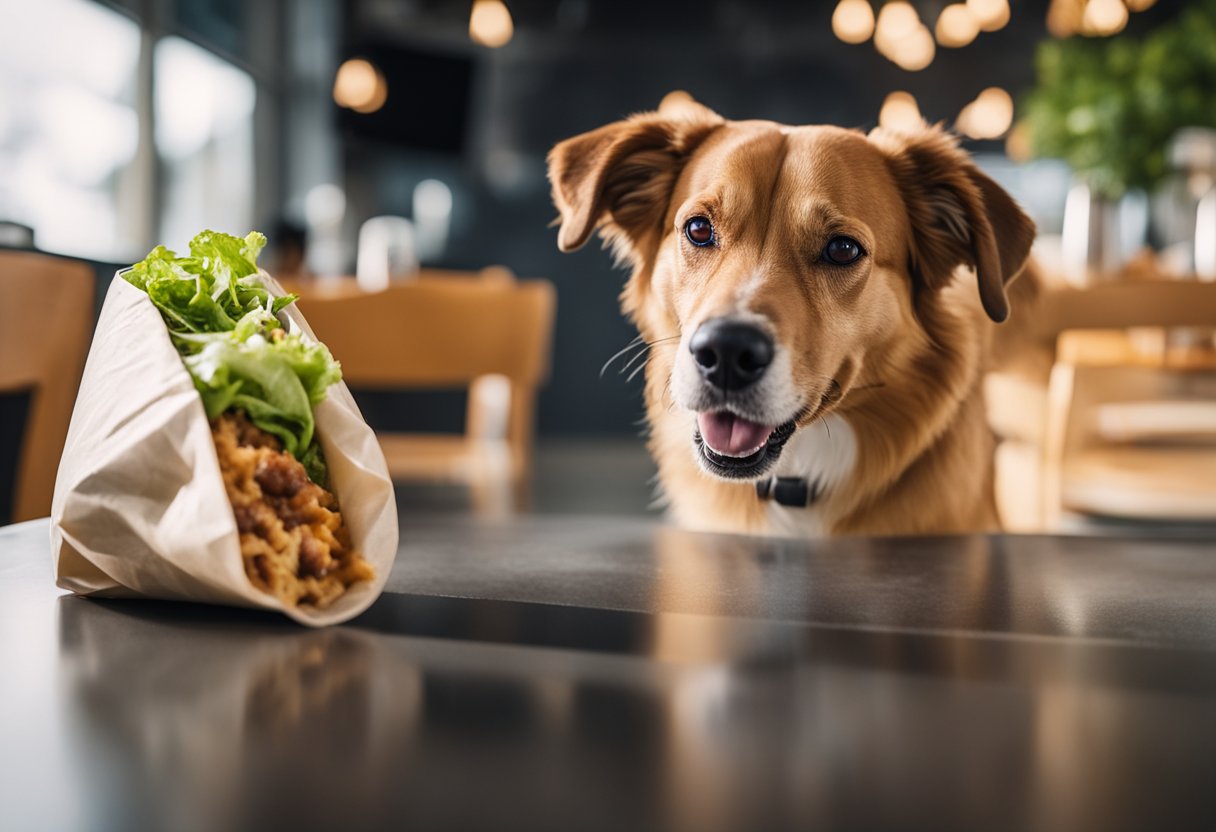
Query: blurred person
point(288, 249)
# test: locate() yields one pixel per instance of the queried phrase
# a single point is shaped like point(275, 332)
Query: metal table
point(606, 673)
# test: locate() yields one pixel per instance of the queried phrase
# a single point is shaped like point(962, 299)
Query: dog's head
point(786, 259)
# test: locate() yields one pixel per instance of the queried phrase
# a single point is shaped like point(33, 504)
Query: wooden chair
point(490, 334)
point(1128, 433)
point(46, 322)
point(1080, 366)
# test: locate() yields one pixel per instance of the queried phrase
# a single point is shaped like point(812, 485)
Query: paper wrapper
point(140, 508)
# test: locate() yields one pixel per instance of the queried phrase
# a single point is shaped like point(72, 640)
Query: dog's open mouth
point(736, 448)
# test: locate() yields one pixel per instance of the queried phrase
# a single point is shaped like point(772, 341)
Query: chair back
point(488, 333)
point(436, 332)
point(46, 322)
point(1130, 433)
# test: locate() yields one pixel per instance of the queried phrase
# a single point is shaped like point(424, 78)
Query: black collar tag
point(793, 492)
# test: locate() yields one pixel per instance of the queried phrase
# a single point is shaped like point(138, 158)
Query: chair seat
point(1174, 483)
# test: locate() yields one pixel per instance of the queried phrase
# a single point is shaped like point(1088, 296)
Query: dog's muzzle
point(733, 438)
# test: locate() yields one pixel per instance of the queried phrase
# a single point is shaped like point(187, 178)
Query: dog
point(808, 298)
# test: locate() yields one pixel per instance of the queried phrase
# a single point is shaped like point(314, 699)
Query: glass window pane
point(203, 110)
point(68, 126)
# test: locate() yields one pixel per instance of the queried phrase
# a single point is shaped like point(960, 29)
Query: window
point(69, 127)
point(75, 164)
point(203, 108)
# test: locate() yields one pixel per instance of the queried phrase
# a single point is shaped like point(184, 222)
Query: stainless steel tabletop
point(606, 673)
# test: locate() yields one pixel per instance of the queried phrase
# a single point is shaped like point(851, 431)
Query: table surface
point(607, 673)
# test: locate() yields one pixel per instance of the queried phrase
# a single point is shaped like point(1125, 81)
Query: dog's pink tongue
point(727, 434)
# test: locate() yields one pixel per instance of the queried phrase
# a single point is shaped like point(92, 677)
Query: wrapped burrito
point(214, 454)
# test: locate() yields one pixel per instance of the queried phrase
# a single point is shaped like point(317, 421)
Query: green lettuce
point(210, 290)
point(224, 324)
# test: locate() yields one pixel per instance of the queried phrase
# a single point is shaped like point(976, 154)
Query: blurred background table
point(608, 673)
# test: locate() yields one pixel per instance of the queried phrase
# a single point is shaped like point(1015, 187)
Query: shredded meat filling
point(294, 542)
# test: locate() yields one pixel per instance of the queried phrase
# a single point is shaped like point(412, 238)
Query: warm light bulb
point(956, 26)
point(359, 86)
point(991, 15)
point(900, 37)
point(1140, 5)
point(490, 23)
point(989, 116)
point(1064, 17)
point(899, 112)
point(1104, 17)
point(853, 21)
point(915, 51)
point(896, 21)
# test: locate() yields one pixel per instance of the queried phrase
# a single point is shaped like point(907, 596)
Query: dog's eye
point(699, 231)
point(841, 251)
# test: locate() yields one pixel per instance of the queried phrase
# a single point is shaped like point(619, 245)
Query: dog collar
point(794, 492)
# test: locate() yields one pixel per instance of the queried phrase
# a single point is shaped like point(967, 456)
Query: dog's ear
point(958, 215)
point(619, 178)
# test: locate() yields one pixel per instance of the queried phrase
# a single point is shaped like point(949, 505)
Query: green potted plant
point(1111, 107)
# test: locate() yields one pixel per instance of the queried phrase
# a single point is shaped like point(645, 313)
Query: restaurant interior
point(376, 141)
point(395, 154)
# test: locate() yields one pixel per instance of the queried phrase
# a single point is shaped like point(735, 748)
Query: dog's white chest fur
point(823, 453)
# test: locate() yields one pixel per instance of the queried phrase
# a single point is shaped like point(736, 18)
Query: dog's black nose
point(731, 354)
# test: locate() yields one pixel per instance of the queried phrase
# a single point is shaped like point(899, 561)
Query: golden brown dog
point(809, 295)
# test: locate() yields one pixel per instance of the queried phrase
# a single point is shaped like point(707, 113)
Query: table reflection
point(458, 713)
